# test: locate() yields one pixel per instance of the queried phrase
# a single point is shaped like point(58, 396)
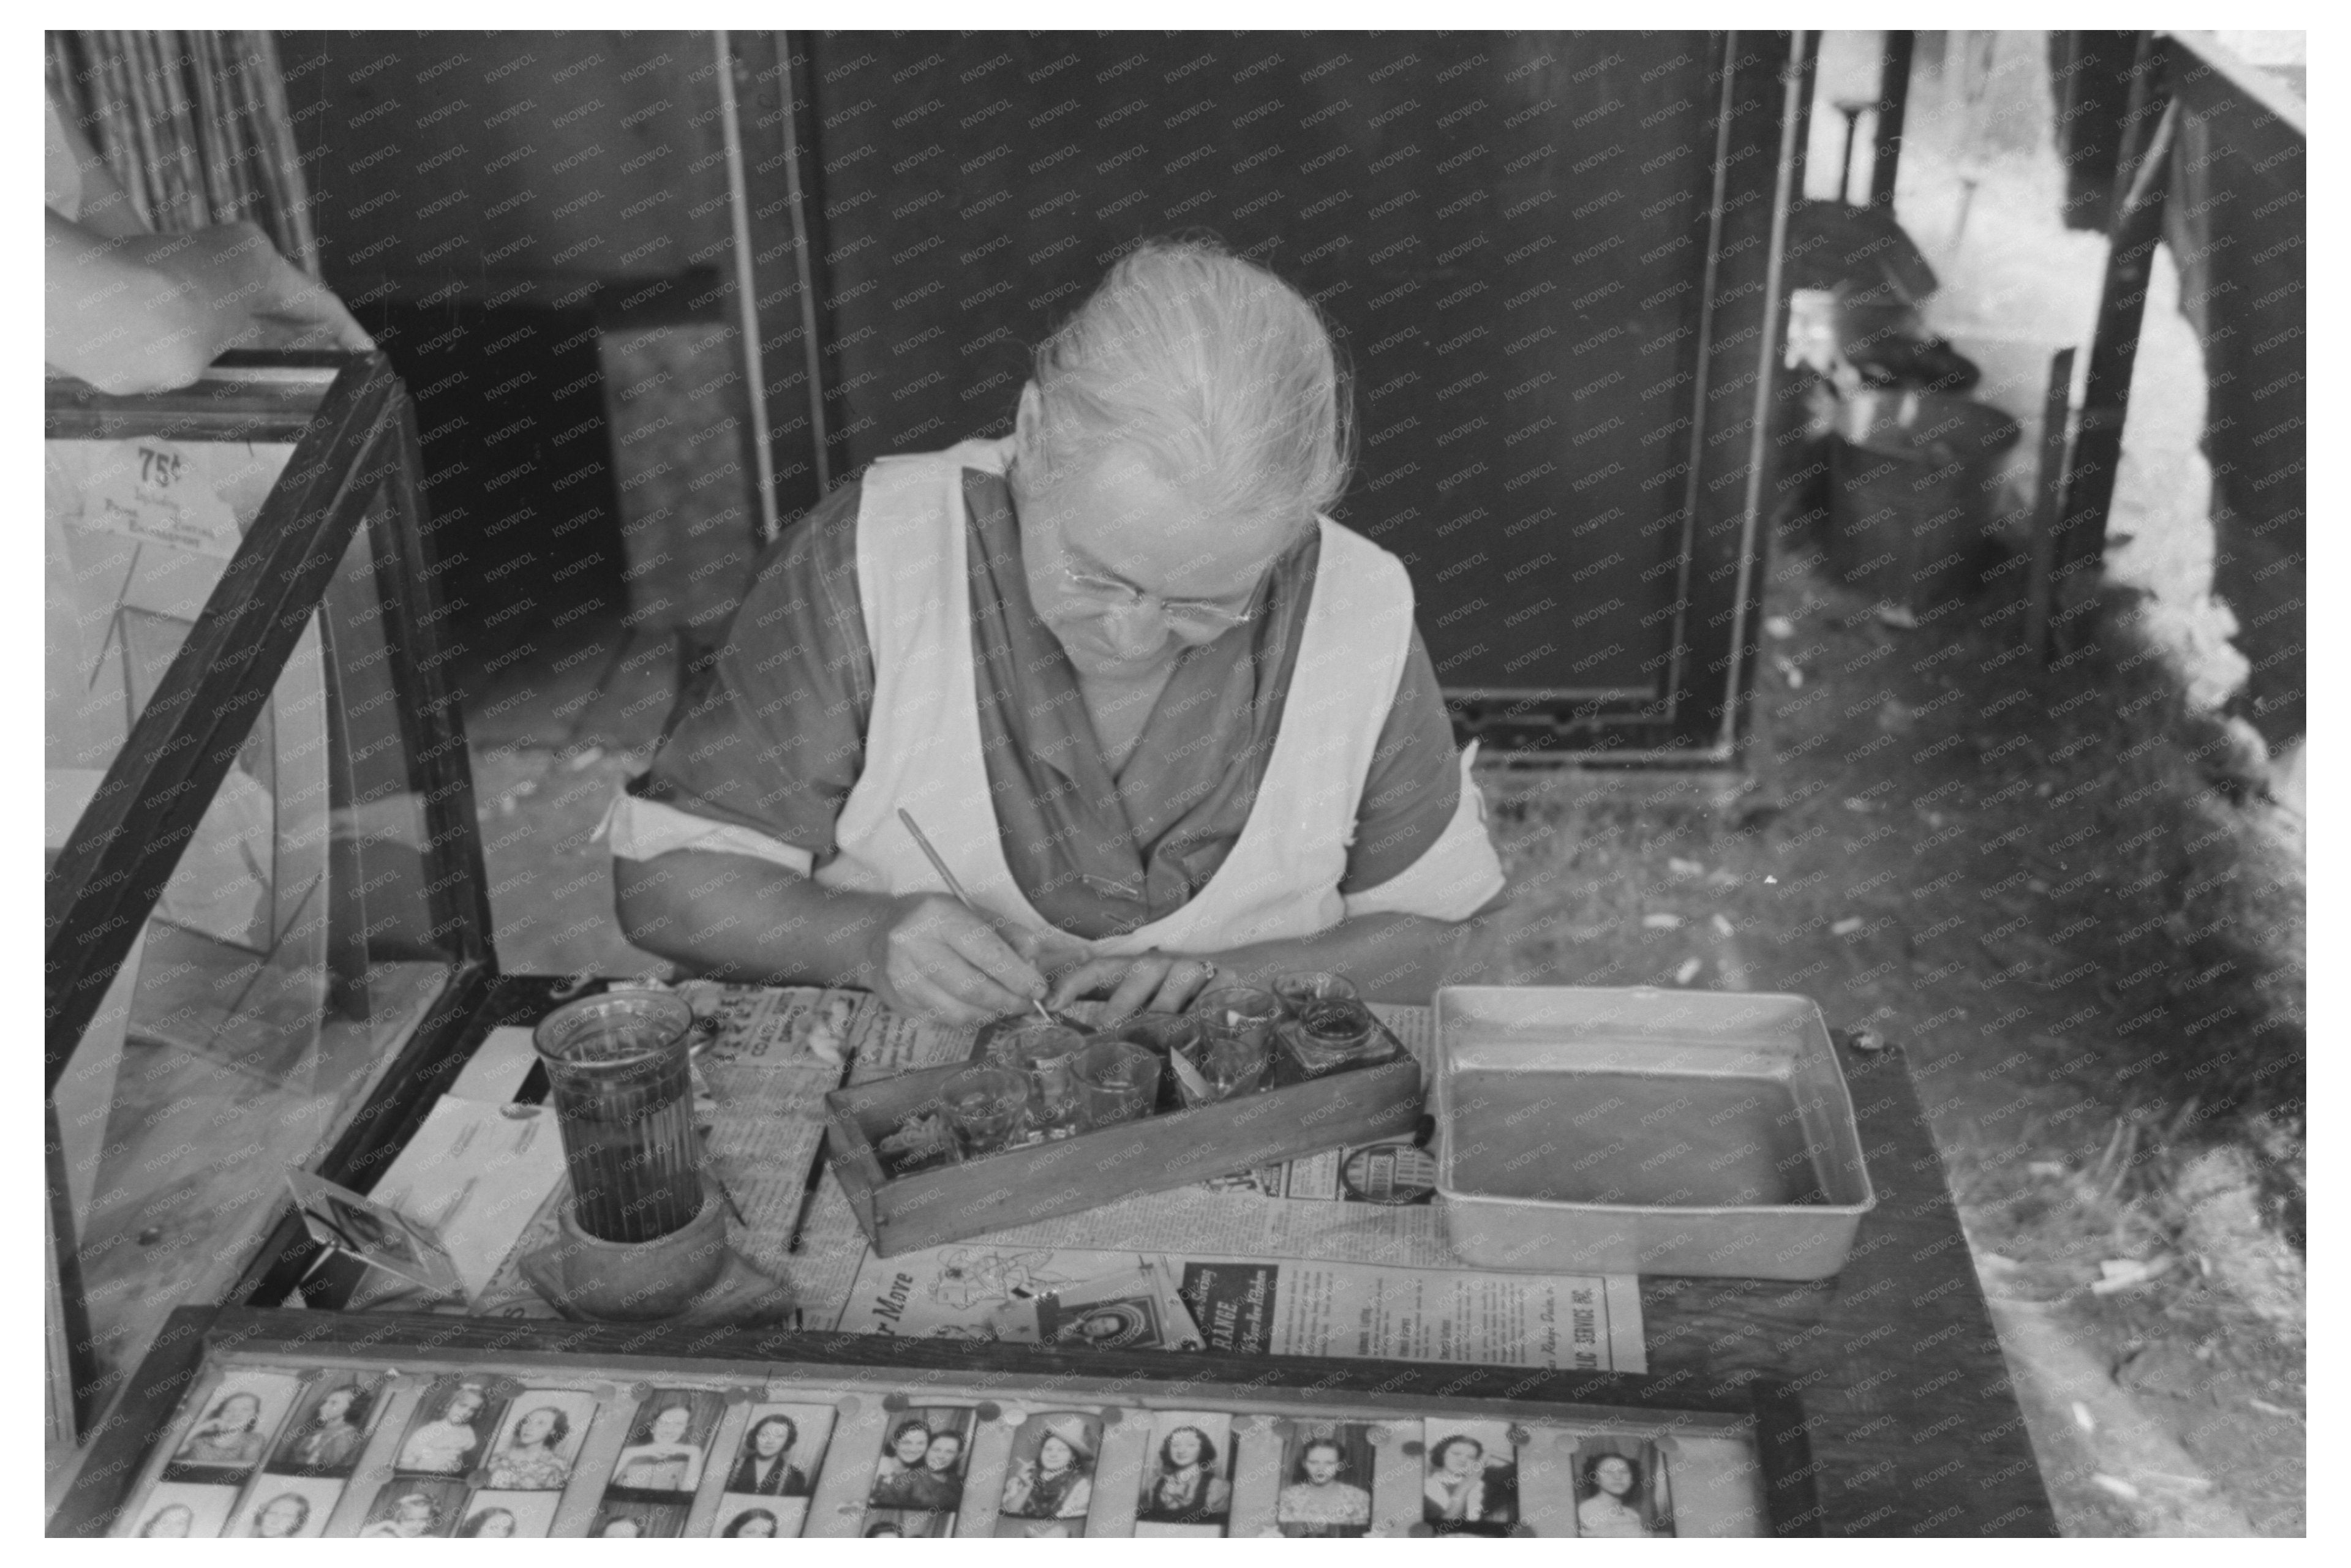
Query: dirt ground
point(1923, 849)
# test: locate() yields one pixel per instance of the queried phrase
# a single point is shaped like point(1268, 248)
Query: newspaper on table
point(1337, 1253)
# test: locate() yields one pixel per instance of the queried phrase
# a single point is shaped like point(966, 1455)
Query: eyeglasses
point(1194, 619)
point(1194, 616)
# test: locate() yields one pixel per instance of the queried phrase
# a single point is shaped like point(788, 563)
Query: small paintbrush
point(955, 887)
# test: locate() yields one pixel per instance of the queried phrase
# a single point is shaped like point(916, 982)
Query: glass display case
point(266, 919)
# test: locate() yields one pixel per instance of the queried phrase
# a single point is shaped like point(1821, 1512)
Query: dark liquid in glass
point(624, 1097)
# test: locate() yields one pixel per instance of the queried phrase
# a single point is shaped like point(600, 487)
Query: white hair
point(1217, 371)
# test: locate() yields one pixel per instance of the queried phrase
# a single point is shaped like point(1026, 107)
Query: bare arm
point(749, 919)
point(142, 312)
point(1391, 958)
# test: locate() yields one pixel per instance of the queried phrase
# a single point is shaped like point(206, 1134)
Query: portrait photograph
point(1187, 1475)
point(1119, 1323)
point(637, 1521)
point(782, 1450)
point(1326, 1478)
point(329, 1426)
point(540, 1440)
point(287, 1508)
point(1469, 1478)
point(507, 1515)
point(905, 1523)
point(923, 1459)
point(1623, 1490)
point(450, 1433)
point(412, 1508)
point(669, 1442)
point(231, 1428)
point(175, 1509)
point(758, 1517)
point(1049, 1477)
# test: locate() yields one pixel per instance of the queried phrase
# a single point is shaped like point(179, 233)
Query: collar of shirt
point(1105, 853)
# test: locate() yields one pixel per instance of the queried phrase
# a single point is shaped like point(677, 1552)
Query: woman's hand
point(935, 959)
point(1160, 982)
point(259, 298)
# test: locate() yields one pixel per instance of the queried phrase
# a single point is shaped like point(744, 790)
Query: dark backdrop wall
point(1549, 256)
point(1557, 335)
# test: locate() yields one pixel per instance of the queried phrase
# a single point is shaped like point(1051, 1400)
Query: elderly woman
point(1159, 716)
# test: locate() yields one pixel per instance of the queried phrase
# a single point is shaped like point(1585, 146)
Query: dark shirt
point(771, 736)
point(782, 1481)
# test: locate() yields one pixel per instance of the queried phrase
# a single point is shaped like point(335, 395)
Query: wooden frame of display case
point(355, 454)
point(627, 1361)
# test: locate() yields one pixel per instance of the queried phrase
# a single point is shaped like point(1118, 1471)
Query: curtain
point(194, 127)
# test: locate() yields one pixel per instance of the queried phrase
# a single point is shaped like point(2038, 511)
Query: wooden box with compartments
point(905, 1204)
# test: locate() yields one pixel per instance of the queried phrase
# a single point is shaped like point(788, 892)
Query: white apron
point(923, 743)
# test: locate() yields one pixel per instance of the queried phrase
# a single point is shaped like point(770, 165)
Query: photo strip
point(493, 1515)
point(331, 1422)
point(1326, 1474)
point(228, 1440)
point(760, 1519)
point(1049, 1479)
point(630, 1521)
point(669, 1444)
point(1623, 1490)
point(450, 1433)
point(1188, 1476)
point(180, 1509)
point(411, 1508)
point(1469, 1478)
point(896, 1523)
point(783, 1451)
point(541, 1440)
point(921, 1465)
point(287, 1508)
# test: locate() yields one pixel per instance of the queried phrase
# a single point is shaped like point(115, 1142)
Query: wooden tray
point(1735, 1455)
point(1171, 1148)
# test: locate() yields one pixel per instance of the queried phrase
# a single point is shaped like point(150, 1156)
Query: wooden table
point(1914, 1426)
point(1914, 1423)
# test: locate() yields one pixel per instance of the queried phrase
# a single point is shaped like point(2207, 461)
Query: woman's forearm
point(116, 321)
point(746, 920)
point(1390, 957)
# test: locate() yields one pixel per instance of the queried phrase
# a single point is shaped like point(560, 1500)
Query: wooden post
point(2079, 539)
point(2049, 491)
point(1807, 55)
point(1893, 107)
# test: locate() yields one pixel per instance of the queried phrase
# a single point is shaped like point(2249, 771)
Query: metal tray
point(1647, 1132)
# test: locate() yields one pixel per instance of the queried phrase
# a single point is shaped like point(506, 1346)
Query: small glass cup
point(985, 1104)
point(1230, 1063)
point(1240, 1009)
point(1299, 991)
point(1041, 1052)
point(1116, 1081)
point(1334, 1034)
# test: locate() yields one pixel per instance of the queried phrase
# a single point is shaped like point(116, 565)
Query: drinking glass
point(1336, 1033)
point(986, 1105)
point(617, 1072)
point(1299, 991)
point(1240, 1009)
point(1229, 1062)
point(1116, 1081)
point(1041, 1052)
